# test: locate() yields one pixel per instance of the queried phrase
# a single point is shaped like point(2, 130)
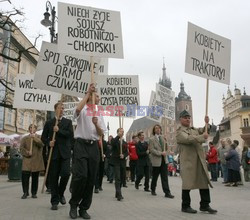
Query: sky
point(152, 30)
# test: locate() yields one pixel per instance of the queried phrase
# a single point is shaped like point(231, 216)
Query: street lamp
point(50, 23)
point(53, 37)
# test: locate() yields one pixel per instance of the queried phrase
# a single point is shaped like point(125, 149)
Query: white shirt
point(85, 128)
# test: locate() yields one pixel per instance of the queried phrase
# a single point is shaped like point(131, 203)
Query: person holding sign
point(158, 152)
point(86, 154)
point(193, 165)
point(32, 161)
point(143, 162)
point(119, 153)
point(59, 167)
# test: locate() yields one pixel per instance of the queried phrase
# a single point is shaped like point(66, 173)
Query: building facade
point(235, 122)
point(13, 43)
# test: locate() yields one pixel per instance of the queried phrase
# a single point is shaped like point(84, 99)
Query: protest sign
point(89, 31)
point(166, 99)
point(69, 108)
point(155, 112)
point(208, 55)
point(117, 92)
point(103, 67)
point(28, 97)
point(63, 73)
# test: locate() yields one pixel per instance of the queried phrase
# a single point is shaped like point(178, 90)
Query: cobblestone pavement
point(231, 202)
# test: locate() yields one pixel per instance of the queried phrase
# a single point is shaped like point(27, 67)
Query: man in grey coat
point(193, 166)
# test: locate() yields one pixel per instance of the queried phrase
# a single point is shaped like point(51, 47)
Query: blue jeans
point(224, 171)
point(213, 171)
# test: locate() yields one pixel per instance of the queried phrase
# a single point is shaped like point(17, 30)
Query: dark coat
point(143, 156)
point(233, 160)
point(115, 157)
point(64, 137)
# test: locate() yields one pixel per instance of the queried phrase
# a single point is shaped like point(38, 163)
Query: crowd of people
point(93, 157)
point(226, 160)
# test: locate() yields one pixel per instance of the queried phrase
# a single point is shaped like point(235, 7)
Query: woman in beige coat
point(193, 166)
point(32, 161)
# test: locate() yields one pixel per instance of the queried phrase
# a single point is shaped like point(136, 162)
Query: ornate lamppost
point(47, 22)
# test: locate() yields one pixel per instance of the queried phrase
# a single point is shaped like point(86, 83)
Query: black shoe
point(24, 196)
point(62, 200)
point(125, 186)
point(73, 213)
point(208, 209)
point(34, 196)
point(189, 210)
point(100, 189)
point(137, 186)
point(84, 214)
point(96, 191)
point(169, 195)
point(153, 193)
point(54, 207)
point(147, 190)
point(120, 197)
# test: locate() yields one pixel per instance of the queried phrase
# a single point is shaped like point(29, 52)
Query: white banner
point(103, 68)
point(89, 31)
point(28, 97)
point(165, 98)
point(154, 112)
point(63, 73)
point(208, 55)
point(117, 92)
point(69, 108)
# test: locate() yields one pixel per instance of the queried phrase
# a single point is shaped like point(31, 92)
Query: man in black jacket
point(143, 162)
point(119, 153)
point(60, 160)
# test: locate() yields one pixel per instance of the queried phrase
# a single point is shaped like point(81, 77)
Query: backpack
point(248, 157)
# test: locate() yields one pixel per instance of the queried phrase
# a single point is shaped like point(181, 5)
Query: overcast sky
point(155, 29)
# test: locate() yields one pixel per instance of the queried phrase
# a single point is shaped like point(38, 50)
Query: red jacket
point(132, 151)
point(212, 155)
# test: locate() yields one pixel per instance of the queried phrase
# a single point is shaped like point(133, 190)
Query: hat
point(184, 113)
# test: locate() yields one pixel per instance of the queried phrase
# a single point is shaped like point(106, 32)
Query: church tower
point(183, 102)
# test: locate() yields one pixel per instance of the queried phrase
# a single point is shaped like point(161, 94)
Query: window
point(9, 117)
point(21, 119)
point(187, 107)
point(245, 122)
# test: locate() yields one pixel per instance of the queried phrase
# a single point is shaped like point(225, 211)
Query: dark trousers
point(163, 171)
point(132, 167)
point(85, 165)
point(26, 180)
point(143, 171)
point(110, 170)
point(213, 170)
point(99, 176)
point(204, 194)
point(120, 174)
point(59, 177)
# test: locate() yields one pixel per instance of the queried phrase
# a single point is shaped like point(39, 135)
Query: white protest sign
point(166, 99)
point(117, 92)
point(89, 31)
point(28, 97)
point(69, 108)
point(63, 73)
point(103, 68)
point(208, 55)
point(154, 112)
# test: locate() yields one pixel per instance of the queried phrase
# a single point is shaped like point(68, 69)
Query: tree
point(9, 22)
